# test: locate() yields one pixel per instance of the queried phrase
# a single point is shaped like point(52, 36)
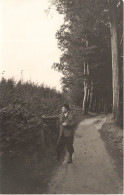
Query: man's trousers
point(65, 142)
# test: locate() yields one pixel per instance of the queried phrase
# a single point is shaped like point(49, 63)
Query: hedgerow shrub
point(21, 108)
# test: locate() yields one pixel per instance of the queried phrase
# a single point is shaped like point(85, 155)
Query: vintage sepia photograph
point(61, 97)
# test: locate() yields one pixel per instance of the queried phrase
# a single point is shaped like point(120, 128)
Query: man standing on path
point(66, 134)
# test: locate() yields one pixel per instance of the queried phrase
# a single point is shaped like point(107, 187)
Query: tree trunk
point(91, 97)
point(85, 98)
point(87, 101)
point(85, 106)
point(115, 60)
point(97, 101)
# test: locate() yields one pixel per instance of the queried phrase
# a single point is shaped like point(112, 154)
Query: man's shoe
point(69, 161)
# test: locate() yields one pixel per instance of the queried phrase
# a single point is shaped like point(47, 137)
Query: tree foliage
point(85, 42)
point(21, 108)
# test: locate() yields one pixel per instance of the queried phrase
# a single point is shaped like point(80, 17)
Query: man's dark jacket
point(67, 130)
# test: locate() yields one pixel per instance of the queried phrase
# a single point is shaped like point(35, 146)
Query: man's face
point(64, 110)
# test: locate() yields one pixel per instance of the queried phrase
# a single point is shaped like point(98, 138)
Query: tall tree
point(88, 21)
point(115, 59)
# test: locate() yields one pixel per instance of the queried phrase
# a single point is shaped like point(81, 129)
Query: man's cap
point(66, 106)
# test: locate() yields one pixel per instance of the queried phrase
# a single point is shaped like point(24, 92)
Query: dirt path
point(93, 170)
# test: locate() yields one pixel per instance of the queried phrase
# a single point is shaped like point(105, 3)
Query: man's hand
point(43, 116)
point(64, 124)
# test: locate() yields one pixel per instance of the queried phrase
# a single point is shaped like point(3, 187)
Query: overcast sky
point(28, 43)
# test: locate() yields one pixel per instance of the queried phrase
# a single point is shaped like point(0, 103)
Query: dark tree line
point(91, 43)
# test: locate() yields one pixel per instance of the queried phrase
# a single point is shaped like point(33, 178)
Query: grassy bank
point(113, 138)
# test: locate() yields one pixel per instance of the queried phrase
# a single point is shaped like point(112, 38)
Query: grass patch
point(113, 138)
